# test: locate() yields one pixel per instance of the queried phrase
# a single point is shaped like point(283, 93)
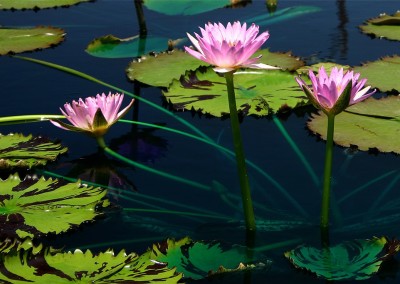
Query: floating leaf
point(383, 26)
point(112, 47)
point(33, 206)
point(184, 7)
point(315, 67)
point(358, 260)
point(17, 150)
point(169, 66)
point(172, 65)
point(35, 4)
point(51, 266)
point(17, 40)
point(369, 124)
point(383, 74)
point(196, 260)
point(258, 92)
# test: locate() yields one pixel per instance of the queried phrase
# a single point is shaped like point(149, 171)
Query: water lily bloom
point(332, 94)
point(229, 48)
point(94, 115)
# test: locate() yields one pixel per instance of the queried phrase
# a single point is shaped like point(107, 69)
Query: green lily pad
point(169, 66)
point(17, 40)
point(369, 124)
point(184, 7)
point(358, 259)
point(258, 92)
point(383, 74)
point(172, 65)
point(197, 260)
point(37, 4)
point(17, 150)
point(113, 47)
point(49, 266)
point(315, 67)
point(33, 207)
point(386, 26)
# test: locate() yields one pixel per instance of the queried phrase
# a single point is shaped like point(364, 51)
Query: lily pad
point(113, 47)
point(357, 260)
point(17, 150)
point(184, 7)
point(197, 260)
point(172, 65)
point(35, 4)
point(36, 206)
point(383, 74)
point(369, 124)
point(387, 26)
point(258, 93)
point(51, 266)
point(315, 67)
point(169, 66)
point(17, 40)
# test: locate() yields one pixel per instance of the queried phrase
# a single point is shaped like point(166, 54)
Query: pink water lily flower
point(332, 94)
point(230, 47)
point(93, 116)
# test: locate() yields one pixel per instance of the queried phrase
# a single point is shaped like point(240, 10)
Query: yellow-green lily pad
point(383, 74)
point(386, 26)
point(372, 124)
point(37, 4)
point(258, 92)
point(17, 40)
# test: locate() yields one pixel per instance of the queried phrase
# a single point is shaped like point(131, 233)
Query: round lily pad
point(36, 206)
point(258, 93)
point(369, 124)
point(17, 40)
point(386, 26)
point(35, 4)
point(383, 74)
point(17, 150)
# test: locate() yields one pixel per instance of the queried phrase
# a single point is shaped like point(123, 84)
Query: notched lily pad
point(17, 40)
point(258, 92)
point(356, 260)
point(54, 266)
point(315, 67)
point(36, 206)
point(285, 60)
point(110, 46)
point(369, 124)
point(169, 66)
point(387, 26)
point(35, 4)
point(383, 74)
point(197, 260)
point(17, 150)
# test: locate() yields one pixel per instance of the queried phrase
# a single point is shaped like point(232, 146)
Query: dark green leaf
point(386, 26)
point(35, 4)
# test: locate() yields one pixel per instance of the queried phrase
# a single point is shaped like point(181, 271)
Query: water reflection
point(340, 38)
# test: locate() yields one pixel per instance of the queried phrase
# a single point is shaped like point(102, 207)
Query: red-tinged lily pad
point(372, 124)
point(197, 260)
point(54, 266)
point(17, 150)
point(386, 26)
point(36, 206)
point(258, 93)
point(383, 74)
point(37, 4)
point(355, 260)
point(17, 40)
point(113, 47)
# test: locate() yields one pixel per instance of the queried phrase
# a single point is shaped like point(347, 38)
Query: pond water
point(331, 34)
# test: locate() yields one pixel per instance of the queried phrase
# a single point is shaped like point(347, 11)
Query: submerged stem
point(240, 157)
point(327, 172)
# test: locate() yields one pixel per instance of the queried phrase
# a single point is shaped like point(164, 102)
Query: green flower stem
point(102, 144)
point(327, 172)
point(240, 157)
point(29, 118)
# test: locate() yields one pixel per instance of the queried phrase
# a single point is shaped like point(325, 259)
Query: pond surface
point(331, 34)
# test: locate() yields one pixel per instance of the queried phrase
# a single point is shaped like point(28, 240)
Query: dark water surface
point(329, 35)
